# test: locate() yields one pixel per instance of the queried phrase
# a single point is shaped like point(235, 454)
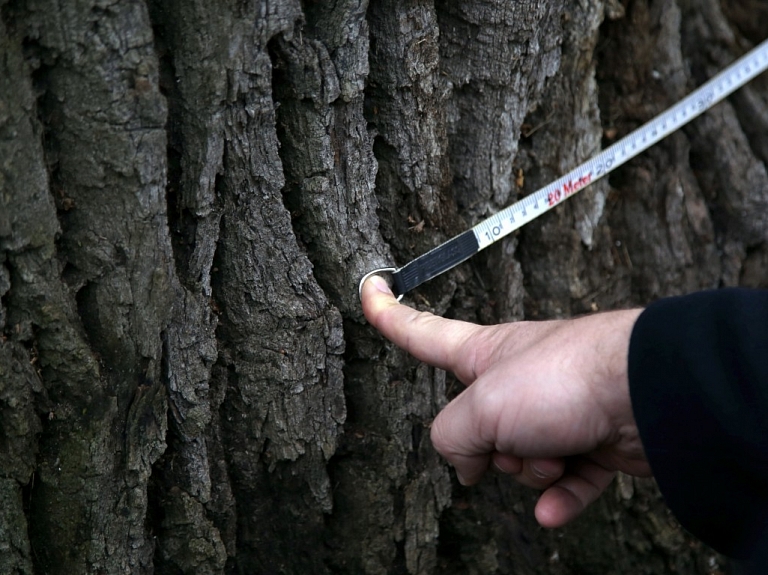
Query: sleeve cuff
point(698, 375)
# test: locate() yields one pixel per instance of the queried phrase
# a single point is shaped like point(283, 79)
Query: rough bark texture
point(189, 194)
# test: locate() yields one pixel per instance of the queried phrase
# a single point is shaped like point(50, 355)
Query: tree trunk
point(189, 194)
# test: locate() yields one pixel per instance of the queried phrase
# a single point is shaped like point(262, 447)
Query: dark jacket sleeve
point(698, 373)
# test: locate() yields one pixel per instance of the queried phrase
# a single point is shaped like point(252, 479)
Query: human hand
point(547, 402)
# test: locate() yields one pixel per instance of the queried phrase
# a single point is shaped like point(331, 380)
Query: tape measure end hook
point(377, 271)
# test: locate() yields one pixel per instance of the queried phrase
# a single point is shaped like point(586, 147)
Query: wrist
point(611, 389)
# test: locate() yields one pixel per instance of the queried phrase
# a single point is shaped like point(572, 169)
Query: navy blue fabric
point(698, 374)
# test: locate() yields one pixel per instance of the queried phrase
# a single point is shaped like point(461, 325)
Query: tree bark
point(189, 194)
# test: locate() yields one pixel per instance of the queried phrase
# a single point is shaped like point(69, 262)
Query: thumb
point(440, 342)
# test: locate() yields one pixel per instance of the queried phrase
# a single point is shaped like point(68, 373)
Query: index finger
point(440, 342)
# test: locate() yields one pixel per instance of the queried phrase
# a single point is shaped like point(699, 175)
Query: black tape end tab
point(435, 262)
point(398, 286)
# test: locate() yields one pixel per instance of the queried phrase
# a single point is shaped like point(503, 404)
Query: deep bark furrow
point(555, 250)
point(390, 412)
point(26, 225)
point(20, 382)
point(497, 55)
point(267, 395)
point(318, 80)
point(283, 405)
point(685, 215)
point(658, 212)
point(733, 177)
point(405, 101)
point(99, 352)
point(194, 510)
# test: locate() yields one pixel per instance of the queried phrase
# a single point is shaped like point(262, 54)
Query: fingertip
point(549, 469)
point(557, 507)
point(506, 463)
point(375, 296)
point(471, 470)
point(566, 499)
point(381, 285)
point(461, 479)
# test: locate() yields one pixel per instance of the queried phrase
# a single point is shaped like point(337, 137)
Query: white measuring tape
point(460, 248)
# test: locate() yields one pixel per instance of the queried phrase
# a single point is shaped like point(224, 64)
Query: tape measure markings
point(462, 247)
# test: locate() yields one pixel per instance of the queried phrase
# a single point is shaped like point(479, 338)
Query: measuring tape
point(465, 245)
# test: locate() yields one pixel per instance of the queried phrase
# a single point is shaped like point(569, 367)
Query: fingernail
point(538, 472)
point(381, 284)
point(461, 479)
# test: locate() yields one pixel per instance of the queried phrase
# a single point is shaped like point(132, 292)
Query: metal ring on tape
point(375, 272)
